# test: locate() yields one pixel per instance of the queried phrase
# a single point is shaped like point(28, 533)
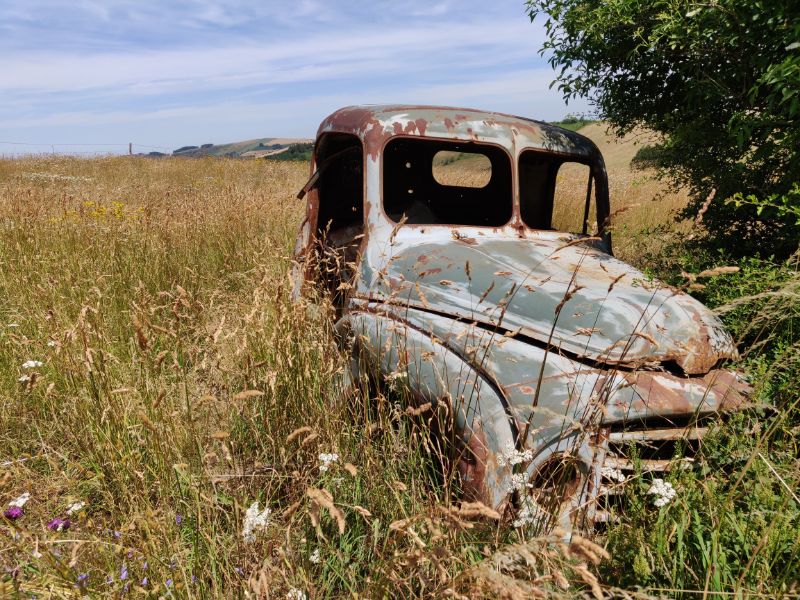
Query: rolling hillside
point(257, 148)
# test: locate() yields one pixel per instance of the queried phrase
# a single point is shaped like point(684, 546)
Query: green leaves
point(719, 81)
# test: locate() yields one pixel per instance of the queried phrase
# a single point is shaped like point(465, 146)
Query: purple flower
point(110, 579)
point(178, 519)
point(13, 512)
point(239, 571)
point(116, 534)
point(58, 524)
point(168, 583)
point(145, 581)
point(123, 572)
point(194, 578)
point(82, 579)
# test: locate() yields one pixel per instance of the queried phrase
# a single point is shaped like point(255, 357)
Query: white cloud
point(322, 57)
point(165, 72)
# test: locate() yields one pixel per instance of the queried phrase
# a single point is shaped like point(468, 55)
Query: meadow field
point(175, 419)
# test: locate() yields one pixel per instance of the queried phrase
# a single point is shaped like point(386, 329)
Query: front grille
point(625, 454)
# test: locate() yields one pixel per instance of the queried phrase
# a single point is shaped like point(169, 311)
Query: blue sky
point(173, 72)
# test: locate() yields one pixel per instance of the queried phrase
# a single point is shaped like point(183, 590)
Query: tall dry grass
point(179, 385)
point(174, 384)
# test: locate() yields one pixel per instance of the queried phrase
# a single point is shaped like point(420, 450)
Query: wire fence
point(14, 148)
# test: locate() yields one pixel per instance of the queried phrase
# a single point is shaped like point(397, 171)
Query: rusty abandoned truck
point(566, 371)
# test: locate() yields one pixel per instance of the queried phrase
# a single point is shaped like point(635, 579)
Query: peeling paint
point(537, 340)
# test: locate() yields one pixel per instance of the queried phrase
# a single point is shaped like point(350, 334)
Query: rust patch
point(472, 466)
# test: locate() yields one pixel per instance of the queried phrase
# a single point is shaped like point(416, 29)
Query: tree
point(719, 80)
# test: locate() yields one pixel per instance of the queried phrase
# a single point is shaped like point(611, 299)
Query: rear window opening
point(431, 182)
point(462, 169)
point(556, 193)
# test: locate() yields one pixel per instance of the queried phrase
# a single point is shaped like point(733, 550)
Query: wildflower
point(253, 521)
point(75, 507)
point(109, 579)
point(511, 456)
point(58, 524)
point(327, 460)
point(82, 579)
point(315, 557)
point(529, 513)
point(32, 364)
point(663, 491)
point(168, 583)
point(52, 343)
point(24, 379)
point(519, 481)
point(145, 581)
point(21, 500)
point(295, 594)
point(123, 572)
point(13, 512)
point(178, 519)
point(612, 474)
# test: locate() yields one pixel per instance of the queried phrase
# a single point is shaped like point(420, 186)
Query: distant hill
point(299, 152)
point(258, 148)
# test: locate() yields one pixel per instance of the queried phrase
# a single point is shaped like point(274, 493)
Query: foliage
point(720, 82)
point(298, 152)
point(573, 122)
point(736, 525)
point(783, 206)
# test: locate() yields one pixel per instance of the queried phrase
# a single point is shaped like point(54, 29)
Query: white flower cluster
point(519, 482)
point(24, 378)
point(315, 558)
point(612, 474)
point(21, 501)
point(295, 594)
point(326, 460)
point(75, 507)
point(254, 520)
point(663, 491)
point(511, 456)
point(32, 364)
point(530, 512)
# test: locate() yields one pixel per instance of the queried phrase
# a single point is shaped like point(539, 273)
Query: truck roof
point(375, 124)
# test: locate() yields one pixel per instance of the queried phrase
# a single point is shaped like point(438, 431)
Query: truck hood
point(557, 291)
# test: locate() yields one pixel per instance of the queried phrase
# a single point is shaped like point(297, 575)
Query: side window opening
point(556, 193)
point(340, 221)
point(430, 182)
point(340, 188)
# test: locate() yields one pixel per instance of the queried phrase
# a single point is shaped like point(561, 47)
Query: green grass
point(178, 377)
